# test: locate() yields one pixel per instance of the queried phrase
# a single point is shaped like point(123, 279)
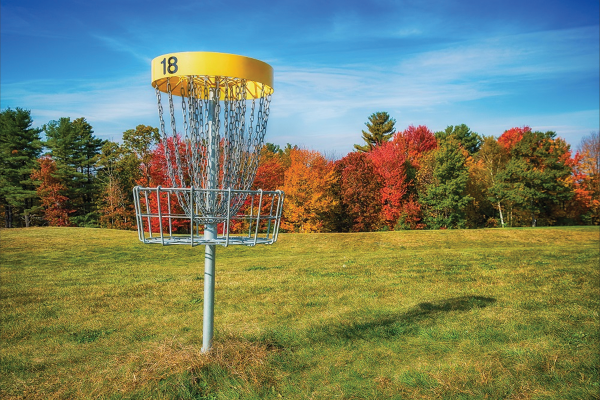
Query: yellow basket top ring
point(206, 68)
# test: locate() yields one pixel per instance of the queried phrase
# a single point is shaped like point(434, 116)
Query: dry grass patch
point(242, 364)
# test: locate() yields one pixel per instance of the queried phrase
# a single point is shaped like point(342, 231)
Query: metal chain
point(238, 131)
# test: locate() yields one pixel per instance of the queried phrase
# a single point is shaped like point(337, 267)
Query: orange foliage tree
point(51, 192)
point(587, 178)
point(308, 197)
point(512, 136)
point(116, 209)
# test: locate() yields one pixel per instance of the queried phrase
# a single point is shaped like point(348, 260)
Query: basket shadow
point(395, 325)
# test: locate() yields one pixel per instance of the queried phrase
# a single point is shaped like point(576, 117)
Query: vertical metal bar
point(192, 215)
point(210, 229)
point(270, 215)
point(170, 213)
point(226, 225)
point(258, 215)
point(279, 211)
point(160, 226)
point(251, 215)
point(149, 213)
point(138, 219)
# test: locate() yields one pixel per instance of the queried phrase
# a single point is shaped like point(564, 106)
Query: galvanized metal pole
point(210, 232)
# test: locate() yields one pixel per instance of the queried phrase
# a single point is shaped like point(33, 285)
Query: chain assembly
point(211, 156)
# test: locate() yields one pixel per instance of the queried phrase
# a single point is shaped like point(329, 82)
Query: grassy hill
point(469, 314)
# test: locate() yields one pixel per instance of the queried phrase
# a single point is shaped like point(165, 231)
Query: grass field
point(468, 314)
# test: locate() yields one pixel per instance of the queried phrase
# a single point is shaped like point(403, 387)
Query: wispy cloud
point(106, 106)
point(121, 45)
point(462, 72)
point(433, 84)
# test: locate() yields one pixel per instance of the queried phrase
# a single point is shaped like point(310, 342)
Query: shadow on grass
point(395, 325)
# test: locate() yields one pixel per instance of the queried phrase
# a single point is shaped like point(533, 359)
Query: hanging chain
point(238, 132)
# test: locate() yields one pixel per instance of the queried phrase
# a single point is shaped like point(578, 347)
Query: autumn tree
point(589, 148)
point(157, 175)
point(270, 173)
point(584, 207)
point(115, 203)
point(380, 129)
point(359, 194)
point(307, 191)
point(536, 176)
point(480, 211)
point(20, 147)
point(418, 141)
point(390, 163)
point(141, 142)
point(512, 136)
point(51, 191)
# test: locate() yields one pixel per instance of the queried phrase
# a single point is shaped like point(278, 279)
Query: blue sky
point(491, 65)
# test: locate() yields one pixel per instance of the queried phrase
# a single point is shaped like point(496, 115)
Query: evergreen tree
point(20, 147)
point(445, 198)
point(470, 141)
point(75, 150)
point(381, 128)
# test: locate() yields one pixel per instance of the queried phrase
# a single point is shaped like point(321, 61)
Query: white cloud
point(105, 105)
point(120, 45)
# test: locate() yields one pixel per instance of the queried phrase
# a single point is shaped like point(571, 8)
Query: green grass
point(468, 314)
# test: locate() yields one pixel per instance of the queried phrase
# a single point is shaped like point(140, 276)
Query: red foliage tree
point(512, 136)
point(269, 175)
point(389, 161)
point(360, 192)
point(417, 142)
point(584, 206)
point(157, 172)
point(411, 214)
point(50, 190)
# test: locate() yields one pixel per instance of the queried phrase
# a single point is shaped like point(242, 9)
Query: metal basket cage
point(160, 217)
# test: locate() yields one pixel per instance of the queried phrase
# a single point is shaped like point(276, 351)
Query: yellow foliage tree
point(307, 188)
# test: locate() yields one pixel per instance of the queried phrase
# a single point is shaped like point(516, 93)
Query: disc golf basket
point(212, 136)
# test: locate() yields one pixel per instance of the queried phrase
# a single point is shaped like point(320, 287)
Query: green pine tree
point(75, 150)
point(380, 127)
point(20, 147)
point(445, 198)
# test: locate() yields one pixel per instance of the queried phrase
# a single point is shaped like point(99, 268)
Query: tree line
point(409, 179)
